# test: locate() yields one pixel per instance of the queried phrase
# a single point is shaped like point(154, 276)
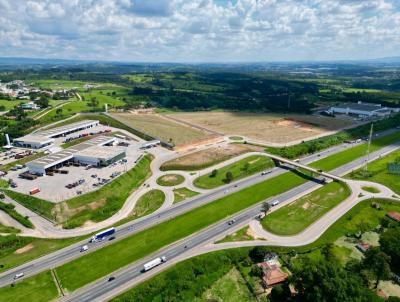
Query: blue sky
point(200, 30)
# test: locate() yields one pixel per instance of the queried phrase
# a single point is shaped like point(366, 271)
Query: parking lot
point(83, 178)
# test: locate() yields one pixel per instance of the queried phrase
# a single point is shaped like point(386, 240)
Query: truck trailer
point(153, 263)
point(100, 236)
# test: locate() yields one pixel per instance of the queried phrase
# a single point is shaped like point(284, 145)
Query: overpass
point(277, 159)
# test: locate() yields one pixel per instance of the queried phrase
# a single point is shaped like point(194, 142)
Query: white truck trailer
point(153, 263)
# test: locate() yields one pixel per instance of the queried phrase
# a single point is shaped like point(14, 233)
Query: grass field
point(21, 161)
point(207, 158)
point(183, 193)
point(38, 288)
point(11, 104)
point(378, 172)
point(8, 229)
point(230, 288)
point(9, 209)
point(264, 126)
point(239, 235)
point(162, 128)
point(242, 168)
point(148, 203)
point(170, 180)
point(371, 189)
point(298, 215)
point(351, 154)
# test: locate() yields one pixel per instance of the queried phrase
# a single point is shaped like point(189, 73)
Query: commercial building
point(362, 109)
point(45, 138)
point(91, 152)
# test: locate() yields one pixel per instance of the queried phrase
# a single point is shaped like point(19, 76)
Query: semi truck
point(153, 263)
point(100, 236)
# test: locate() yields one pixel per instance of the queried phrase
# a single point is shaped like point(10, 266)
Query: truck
point(153, 263)
point(34, 191)
point(100, 236)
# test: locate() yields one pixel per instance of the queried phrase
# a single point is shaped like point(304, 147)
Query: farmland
point(162, 128)
point(265, 126)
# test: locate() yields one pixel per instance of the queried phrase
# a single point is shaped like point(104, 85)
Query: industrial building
point(362, 109)
point(45, 138)
point(93, 152)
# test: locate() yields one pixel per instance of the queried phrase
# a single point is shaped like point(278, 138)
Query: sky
point(200, 30)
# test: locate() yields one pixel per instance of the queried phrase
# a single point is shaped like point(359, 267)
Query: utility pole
point(367, 152)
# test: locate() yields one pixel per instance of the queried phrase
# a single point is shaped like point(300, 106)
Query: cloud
point(200, 30)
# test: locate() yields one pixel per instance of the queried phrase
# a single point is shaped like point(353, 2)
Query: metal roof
point(66, 128)
point(360, 107)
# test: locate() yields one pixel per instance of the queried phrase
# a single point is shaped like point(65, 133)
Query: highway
point(132, 274)
point(71, 252)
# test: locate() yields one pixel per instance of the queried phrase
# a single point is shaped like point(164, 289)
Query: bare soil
point(24, 249)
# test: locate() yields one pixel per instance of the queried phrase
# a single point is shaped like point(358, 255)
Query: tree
point(377, 263)
point(265, 207)
point(43, 102)
point(228, 176)
point(214, 173)
point(256, 271)
point(390, 244)
point(59, 111)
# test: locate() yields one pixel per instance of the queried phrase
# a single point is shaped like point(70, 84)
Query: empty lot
point(273, 128)
point(162, 128)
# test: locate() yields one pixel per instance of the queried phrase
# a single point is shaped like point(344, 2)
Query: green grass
point(10, 210)
point(377, 172)
point(240, 169)
point(371, 189)
point(38, 288)
point(144, 243)
point(170, 180)
point(11, 104)
point(3, 183)
point(236, 138)
point(37, 205)
point(21, 161)
point(346, 156)
point(298, 215)
point(148, 203)
point(230, 288)
point(239, 235)
point(183, 193)
point(8, 229)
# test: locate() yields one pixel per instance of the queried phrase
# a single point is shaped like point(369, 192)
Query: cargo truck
point(100, 236)
point(153, 263)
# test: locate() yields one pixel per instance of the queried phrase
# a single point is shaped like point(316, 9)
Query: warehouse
point(45, 138)
point(56, 160)
point(99, 156)
point(33, 141)
point(362, 109)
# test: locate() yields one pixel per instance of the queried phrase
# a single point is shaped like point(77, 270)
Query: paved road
point(71, 252)
point(100, 290)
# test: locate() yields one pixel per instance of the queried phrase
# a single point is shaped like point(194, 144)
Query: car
point(265, 172)
point(111, 278)
point(111, 238)
point(232, 221)
point(19, 275)
point(84, 248)
point(275, 202)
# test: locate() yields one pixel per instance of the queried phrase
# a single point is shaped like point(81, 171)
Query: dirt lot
point(163, 128)
point(273, 128)
point(209, 157)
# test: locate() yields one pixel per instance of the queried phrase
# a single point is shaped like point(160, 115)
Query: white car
point(84, 248)
point(275, 203)
point(19, 275)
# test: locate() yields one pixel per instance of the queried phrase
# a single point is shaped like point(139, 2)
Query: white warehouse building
point(362, 109)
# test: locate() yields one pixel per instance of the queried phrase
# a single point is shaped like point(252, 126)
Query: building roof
point(30, 138)
point(274, 276)
point(66, 128)
point(59, 157)
point(100, 152)
point(394, 215)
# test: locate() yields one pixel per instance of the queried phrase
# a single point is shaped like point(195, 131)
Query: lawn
point(10, 210)
point(148, 203)
point(183, 193)
point(239, 235)
point(8, 229)
point(170, 180)
point(73, 276)
point(378, 172)
point(371, 189)
point(240, 169)
point(298, 215)
point(10, 104)
point(346, 156)
point(41, 287)
point(230, 288)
